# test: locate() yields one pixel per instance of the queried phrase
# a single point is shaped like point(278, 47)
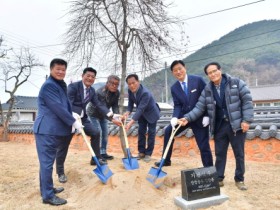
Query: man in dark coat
point(52, 127)
point(80, 94)
point(108, 95)
point(147, 115)
point(185, 92)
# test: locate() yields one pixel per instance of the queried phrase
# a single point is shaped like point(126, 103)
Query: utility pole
point(166, 89)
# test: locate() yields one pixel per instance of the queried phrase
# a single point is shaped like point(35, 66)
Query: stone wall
point(256, 149)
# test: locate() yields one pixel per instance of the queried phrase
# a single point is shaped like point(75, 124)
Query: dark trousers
point(222, 138)
point(61, 154)
point(202, 141)
point(62, 151)
point(142, 130)
point(47, 146)
point(94, 134)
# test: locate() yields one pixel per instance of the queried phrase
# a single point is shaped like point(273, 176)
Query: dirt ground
point(19, 183)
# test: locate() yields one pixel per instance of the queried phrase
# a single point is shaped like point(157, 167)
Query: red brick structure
point(256, 149)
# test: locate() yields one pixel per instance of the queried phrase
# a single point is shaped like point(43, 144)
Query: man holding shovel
point(80, 94)
point(147, 115)
point(185, 93)
point(228, 102)
point(108, 95)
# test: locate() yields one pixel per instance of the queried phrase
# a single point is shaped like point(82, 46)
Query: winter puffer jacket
point(238, 101)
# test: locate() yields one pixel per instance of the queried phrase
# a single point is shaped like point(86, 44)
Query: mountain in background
point(250, 52)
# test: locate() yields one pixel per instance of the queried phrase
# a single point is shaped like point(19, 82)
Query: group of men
point(225, 102)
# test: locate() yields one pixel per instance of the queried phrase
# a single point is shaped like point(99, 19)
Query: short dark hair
point(212, 63)
point(58, 61)
point(132, 75)
point(89, 69)
point(175, 63)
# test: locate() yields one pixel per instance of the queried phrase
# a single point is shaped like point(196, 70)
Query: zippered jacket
point(238, 101)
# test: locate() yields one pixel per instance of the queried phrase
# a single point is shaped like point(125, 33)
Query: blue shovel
point(102, 171)
point(130, 163)
point(156, 175)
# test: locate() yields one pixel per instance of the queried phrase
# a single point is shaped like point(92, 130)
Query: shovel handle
point(170, 141)
point(86, 141)
point(125, 137)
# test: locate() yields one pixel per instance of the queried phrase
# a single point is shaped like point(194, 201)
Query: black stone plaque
point(199, 183)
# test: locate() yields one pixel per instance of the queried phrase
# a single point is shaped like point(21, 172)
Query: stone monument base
point(200, 203)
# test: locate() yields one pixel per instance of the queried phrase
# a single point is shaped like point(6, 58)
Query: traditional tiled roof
point(22, 102)
point(266, 125)
point(263, 93)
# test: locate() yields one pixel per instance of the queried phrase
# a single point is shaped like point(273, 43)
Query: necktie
point(185, 87)
point(218, 87)
point(86, 99)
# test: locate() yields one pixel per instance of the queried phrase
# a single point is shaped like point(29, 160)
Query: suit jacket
point(145, 105)
point(54, 110)
point(185, 103)
point(75, 92)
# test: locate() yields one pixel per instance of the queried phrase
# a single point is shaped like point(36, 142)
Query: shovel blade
point(130, 163)
point(156, 176)
point(103, 173)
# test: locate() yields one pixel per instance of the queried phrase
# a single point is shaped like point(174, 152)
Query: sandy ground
point(19, 183)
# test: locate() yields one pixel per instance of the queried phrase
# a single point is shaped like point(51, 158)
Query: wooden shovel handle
point(170, 141)
point(125, 136)
point(86, 141)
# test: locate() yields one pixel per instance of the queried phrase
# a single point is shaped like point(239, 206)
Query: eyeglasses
point(114, 84)
point(212, 72)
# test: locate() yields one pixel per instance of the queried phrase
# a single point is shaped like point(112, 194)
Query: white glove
point(205, 121)
point(77, 125)
point(76, 116)
point(174, 122)
point(117, 117)
point(109, 114)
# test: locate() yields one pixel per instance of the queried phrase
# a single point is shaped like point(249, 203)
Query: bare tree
point(15, 72)
point(122, 34)
point(3, 51)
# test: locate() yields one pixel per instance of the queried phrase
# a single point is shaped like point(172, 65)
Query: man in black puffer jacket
point(228, 102)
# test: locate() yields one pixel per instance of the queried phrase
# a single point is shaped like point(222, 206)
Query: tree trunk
point(124, 59)
point(5, 131)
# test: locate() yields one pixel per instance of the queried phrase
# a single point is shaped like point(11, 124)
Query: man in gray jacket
point(228, 102)
point(108, 95)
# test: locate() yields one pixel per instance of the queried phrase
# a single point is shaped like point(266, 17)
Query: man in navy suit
point(147, 115)
point(52, 128)
point(185, 93)
point(80, 94)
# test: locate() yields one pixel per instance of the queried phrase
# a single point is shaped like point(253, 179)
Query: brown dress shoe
point(241, 185)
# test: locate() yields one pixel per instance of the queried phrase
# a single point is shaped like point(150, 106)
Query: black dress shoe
point(166, 163)
point(62, 178)
point(58, 190)
point(55, 201)
point(107, 157)
point(101, 161)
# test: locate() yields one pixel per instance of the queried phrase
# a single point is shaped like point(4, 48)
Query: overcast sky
point(36, 23)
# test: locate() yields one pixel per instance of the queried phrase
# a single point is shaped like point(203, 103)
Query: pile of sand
point(19, 185)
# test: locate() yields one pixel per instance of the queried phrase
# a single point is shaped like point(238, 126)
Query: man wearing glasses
point(108, 95)
point(228, 102)
point(80, 94)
